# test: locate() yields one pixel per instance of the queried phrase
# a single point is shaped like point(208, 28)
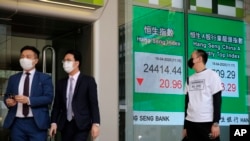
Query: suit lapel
point(64, 91)
point(78, 83)
point(34, 83)
point(17, 81)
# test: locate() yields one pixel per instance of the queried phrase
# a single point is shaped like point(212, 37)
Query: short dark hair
point(203, 54)
point(77, 55)
point(32, 48)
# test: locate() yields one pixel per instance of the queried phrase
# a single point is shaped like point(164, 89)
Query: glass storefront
point(155, 42)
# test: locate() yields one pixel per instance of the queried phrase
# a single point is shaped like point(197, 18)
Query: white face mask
point(26, 63)
point(68, 66)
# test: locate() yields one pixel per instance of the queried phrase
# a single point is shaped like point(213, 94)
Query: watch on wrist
point(215, 124)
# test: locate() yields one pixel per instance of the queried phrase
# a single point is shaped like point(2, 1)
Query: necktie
point(70, 96)
point(26, 93)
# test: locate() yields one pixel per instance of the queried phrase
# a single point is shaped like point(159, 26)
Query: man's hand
point(95, 131)
point(184, 133)
point(215, 131)
point(10, 102)
point(52, 130)
point(22, 99)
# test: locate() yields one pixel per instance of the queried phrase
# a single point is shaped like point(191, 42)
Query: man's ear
point(78, 63)
point(36, 60)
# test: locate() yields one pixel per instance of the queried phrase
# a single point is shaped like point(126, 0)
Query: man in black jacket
point(75, 110)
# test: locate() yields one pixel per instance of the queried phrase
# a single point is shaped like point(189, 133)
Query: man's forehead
point(194, 53)
point(69, 55)
point(28, 52)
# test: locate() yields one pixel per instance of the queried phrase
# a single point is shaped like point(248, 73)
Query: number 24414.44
point(150, 68)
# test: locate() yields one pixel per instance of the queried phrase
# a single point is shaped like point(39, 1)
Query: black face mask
point(190, 63)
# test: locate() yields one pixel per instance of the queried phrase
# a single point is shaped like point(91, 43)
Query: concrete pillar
point(105, 69)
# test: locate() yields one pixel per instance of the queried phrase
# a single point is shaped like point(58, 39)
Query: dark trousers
point(71, 132)
point(25, 129)
point(199, 131)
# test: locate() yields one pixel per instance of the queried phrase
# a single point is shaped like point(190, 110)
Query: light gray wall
point(106, 70)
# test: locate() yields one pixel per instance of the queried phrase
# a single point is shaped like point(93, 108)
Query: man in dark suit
point(28, 95)
point(75, 110)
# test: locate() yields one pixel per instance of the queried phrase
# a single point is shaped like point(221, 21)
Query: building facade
point(137, 52)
